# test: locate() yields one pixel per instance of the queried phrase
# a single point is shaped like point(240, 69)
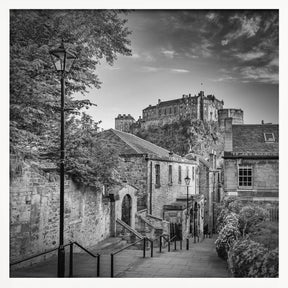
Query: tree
point(34, 84)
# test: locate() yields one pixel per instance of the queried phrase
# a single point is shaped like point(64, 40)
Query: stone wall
point(265, 178)
point(167, 192)
point(237, 116)
point(133, 169)
point(34, 214)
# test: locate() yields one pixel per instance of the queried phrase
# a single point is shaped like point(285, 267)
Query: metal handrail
point(124, 248)
point(87, 251)
point(36, 255)
point(71, 257)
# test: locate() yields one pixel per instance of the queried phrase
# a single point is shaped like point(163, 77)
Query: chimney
point(201, 93)
point(170, 154)
point(262, 122)
point(212, 159)
point(159, 101)
point(228, 135)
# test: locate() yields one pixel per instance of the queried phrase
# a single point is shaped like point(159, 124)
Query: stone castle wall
point(195, 107)
point(236, 115)
point(34, 214)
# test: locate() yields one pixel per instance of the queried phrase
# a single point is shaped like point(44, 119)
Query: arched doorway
point(126, 209)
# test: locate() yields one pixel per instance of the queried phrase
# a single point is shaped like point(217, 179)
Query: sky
point(232, 54)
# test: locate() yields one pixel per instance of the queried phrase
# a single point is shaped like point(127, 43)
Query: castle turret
point(124, 122)
point(235, 114)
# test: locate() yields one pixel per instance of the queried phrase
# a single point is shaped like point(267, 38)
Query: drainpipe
point(150, 188)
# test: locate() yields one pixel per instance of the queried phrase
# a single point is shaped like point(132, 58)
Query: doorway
point(126, 209)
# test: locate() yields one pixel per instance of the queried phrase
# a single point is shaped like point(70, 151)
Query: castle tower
point(124, 122)
point(235, 114)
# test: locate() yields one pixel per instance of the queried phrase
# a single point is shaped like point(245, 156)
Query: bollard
point(71, 260)
point(112, 266)
point(151, 248)
point(144, 247)
point(98, 265)
point(187, 244)
point(180, 244)
point(175, 244)
point(168, 245)
point(160, 244)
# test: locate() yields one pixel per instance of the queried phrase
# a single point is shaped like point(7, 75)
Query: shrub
point(266, 233)
point(250, 216)
point(270, 265)
point(246, 258)
point(226, 237)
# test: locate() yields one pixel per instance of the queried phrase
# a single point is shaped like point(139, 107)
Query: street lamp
point(187, 181)
point(62, 59)
point(195, 220)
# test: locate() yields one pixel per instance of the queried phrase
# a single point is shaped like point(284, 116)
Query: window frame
point(267, 139)
point(157, 176)
point(179, 174)
point(170, 174)
point(243, 169)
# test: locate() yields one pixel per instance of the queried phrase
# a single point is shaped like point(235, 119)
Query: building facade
point(198, 107)
point(159, 177)
point(251, 161)
point(124, 122)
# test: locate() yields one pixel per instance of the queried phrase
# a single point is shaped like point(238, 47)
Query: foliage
point(251, 215)
point(184, 136)
point(34, 83)
point(266, 233)
point(228, 205)
point(246, 238)
point(228, 234)
point(248, 258)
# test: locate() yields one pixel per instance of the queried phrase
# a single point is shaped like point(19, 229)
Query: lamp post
point(187, 181)
point(195, 222)
point(62, 59)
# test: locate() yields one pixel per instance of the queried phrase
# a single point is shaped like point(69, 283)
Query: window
point(159, 111)
point(157, 175)
point(179, 174)
point(164, 111)
point(170, 175)
point(175, 110)
point(245, 176)
point(193, 173)
point(269, 137)
point(170, 110)
point(187, 171)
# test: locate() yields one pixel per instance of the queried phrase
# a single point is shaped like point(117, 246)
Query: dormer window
point(269, 137)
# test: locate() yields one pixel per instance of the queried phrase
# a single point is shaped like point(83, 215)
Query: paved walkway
point(199, 261)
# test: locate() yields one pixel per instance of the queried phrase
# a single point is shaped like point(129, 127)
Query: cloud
point(169, 53)
point(224, 42)
point(274, 62)
point(224, 78)
point(250, 55)
point(135, 56)
point(247, 26)
point(180, 70)
point(150, 69)
point(260, 74)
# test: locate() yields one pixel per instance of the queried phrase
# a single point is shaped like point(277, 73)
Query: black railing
point(124, 248)
point(88, 252)
point(70, 257)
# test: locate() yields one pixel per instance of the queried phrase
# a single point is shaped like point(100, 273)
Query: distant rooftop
point(258, 139)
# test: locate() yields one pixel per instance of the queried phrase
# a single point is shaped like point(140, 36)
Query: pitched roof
point(250, 139)
point(141, 146)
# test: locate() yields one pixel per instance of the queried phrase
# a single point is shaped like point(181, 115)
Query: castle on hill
point(198, 107)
